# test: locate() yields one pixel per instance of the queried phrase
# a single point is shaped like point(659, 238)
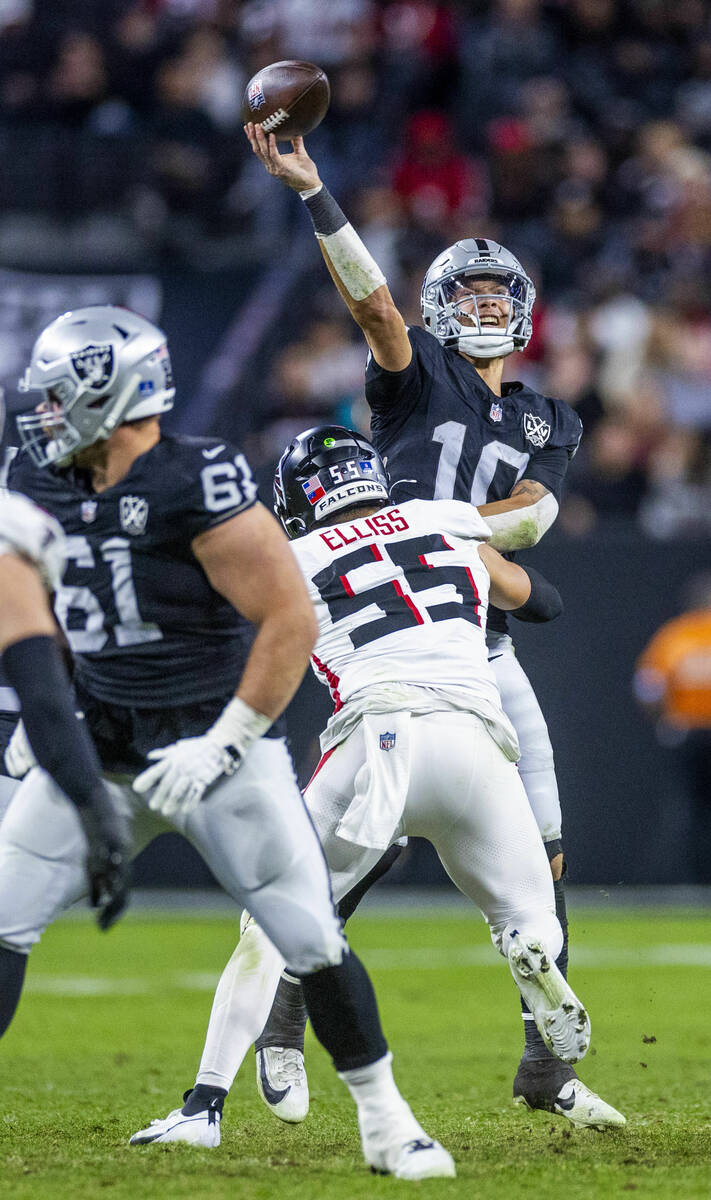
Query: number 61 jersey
point(145, 625)
point(401, 599)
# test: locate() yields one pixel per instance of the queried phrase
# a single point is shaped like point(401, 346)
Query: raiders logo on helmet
point(94, 366)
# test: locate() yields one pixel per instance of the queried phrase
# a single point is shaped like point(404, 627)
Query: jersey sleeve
point(394, 395)
point(549, 464)
point(33, 534)
point(214, 484)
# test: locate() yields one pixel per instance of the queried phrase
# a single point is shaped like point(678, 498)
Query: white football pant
point(467, 799)
point(536, 765)
point(252, 830)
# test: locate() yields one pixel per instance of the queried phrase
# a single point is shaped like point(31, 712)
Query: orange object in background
point(674, 671)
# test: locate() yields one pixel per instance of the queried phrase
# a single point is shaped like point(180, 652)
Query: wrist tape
point(238, 725)
point(352, 261)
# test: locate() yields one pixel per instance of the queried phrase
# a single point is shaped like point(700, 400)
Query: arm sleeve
point(544, 603)
point(61, 744)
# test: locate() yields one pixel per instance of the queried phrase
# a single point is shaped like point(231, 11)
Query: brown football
point(288, 99)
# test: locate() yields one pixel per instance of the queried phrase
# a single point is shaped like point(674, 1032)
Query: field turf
point(110, 1029)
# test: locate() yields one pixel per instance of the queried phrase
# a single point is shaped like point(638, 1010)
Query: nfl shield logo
point(387, 741)
point(133, 514)
point(496, 412)
point(94, 366)
point(88, 511)
point(255, 95)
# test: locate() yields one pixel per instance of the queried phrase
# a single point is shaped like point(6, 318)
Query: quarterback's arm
point(522, 518)
point(248, 560)
point(521, 591)
point(355, 273)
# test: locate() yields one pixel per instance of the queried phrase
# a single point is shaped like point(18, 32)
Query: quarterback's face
point(488, 298)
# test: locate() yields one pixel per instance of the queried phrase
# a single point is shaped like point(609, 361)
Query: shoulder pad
point(33, 534)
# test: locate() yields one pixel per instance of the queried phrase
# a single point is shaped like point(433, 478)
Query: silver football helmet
point(447, 287)
point(95, 368)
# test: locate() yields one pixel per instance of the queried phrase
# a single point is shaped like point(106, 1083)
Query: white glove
point(182, 773)
point(19, 756)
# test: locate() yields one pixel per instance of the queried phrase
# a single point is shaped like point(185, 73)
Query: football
point(288, 98)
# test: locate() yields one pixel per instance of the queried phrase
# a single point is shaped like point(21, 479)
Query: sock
point(286, 1023)
point(202, 1097)
point(241, 1005)
point(12, 977)
point(343, 1011)
point(535, 1049)
point(350, 902)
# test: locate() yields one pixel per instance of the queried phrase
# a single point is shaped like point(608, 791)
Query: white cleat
point(282, 1083)
point(585, 1108)
point(561, 1019)
point(418, 1158)
point(199, 1129)
point(407, 1152)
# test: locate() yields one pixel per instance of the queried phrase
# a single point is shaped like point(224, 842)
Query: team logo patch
point(496, 412)
point(94, 366)
point(88, 511)
point(537, 430)
point(314, 490)
point(387, 741)
point(133, 514)
point(255, 95)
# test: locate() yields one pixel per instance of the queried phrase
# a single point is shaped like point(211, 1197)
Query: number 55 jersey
point(401, 598)
point(145, 625)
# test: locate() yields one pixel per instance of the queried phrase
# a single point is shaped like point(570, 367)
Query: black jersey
point(445, 435)
point(145, 625)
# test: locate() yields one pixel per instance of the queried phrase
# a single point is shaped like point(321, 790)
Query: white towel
point(381, 784)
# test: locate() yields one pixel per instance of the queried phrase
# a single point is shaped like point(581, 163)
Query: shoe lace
point(289, 1069)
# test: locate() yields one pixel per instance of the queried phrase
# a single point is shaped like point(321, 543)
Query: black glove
point(108, 860)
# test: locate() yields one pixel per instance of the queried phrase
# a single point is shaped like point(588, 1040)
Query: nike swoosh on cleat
point(493, 657)
point(271, 1095)
point(213, 452)
point(567, 1105)
point(154, 1136)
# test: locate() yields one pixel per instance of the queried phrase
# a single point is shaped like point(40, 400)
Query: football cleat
point(560, 1018)
point(418, 1157)
point(198, 1129)
point(282, 1083)
point(539, 1085)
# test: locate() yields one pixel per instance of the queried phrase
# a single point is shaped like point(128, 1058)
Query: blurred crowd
point(576, 132)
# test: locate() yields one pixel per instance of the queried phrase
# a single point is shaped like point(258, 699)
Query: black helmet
point(324, 470)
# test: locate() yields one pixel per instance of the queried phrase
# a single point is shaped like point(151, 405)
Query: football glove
point(19, 757)
point(182, 773)
point(108, 833)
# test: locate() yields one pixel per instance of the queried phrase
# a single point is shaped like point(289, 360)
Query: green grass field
point(110, 1030)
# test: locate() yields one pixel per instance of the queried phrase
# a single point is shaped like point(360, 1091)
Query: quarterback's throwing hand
point(296, 170)
point(182, 773)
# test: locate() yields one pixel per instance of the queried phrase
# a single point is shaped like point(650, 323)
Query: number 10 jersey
point(401, 599)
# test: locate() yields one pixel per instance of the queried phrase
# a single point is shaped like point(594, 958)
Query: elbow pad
point(544, 603)
point(523, 527)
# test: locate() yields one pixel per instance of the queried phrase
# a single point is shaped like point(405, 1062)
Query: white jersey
point(401, 599)
point(33, 534)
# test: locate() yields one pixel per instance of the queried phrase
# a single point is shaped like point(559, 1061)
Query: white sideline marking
point(418, 958)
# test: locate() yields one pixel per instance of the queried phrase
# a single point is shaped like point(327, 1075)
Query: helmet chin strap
point(485, 345)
